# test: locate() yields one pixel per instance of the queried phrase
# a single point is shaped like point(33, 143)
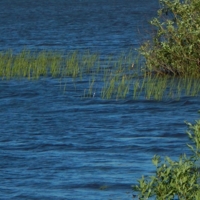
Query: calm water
point(58, 145)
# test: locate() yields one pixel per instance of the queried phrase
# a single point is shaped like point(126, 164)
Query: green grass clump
point(119, 77)
point(175, 46)
point(33, 65)
point(175, 179)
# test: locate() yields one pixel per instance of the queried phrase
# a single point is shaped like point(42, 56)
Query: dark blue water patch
point(99, 26)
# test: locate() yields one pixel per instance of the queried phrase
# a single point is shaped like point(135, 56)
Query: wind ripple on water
point(50, 142)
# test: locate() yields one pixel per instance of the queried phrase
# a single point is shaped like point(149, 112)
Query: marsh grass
point(115, 77)
point(150, 87)
point(167, 87)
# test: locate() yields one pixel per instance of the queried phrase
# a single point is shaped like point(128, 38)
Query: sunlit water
point(56, 144)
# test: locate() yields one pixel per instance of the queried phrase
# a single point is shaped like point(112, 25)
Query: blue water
point(55, 144)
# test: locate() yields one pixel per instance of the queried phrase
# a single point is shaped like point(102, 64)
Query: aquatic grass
point(90, 92)
point(123, 87)
point(117, 83)
point(5, 66)
point(167, 87)
point(136, 87)
point(89, 60)
point(109, 89)
point(37, 67)
point(120, 76)
point(195, 87)
point(155, 87)
point(36, 64)
point(55, 64)
point(71, 66)
point(191, 86)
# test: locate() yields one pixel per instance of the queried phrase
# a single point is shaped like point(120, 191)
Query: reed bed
point(151, 87)
point(119, 77)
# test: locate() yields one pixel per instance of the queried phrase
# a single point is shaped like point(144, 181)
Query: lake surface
point(55, 144)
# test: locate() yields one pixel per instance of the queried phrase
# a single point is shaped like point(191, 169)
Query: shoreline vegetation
point(122, 76)
point(175, 179)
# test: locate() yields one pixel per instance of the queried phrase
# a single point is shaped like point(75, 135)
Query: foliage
point(175, 46)
point(175, 179)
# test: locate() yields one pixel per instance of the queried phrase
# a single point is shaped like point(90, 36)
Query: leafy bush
point(175, 179)
point(175, 46)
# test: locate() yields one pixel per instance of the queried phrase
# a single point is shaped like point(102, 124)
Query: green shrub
point(175, 46)
point(175, 179)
